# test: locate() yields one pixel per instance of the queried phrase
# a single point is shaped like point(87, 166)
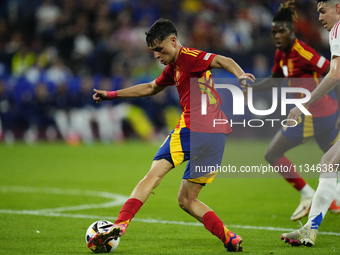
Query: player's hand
point(294, 114)
point(100, 95)
point(244, 78)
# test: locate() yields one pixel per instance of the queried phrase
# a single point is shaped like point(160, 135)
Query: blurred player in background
point(303, 67)
point(329, 15)
point(207, 143)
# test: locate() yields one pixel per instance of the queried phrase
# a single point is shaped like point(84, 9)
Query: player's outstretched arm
point(141, 90)
point(265, 84)
point(337, 93)
point(331, 80)
point(232, 67)
point(328, 83)
point(268, 82)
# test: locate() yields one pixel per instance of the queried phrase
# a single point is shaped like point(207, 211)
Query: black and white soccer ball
point(101, 226)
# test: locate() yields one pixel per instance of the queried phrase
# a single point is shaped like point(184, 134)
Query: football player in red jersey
point(303, 67)
point(329, 15)
point(201, 144)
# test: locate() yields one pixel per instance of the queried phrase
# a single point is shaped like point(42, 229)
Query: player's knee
point(183, 205)
point(326, 161)
point(183, 202)
point(328, 158)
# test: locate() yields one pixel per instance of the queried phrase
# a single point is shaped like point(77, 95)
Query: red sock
point(292, 177)
point(129, 210)
point(214, 224)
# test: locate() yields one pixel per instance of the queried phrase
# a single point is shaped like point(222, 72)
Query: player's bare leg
point(187, 199)
point(140, 194)
point(158, 170)
point(275, 156)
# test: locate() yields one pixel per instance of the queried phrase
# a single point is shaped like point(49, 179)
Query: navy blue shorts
point(322, 129)
point(203, 151)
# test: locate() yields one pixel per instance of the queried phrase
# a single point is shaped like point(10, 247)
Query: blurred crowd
point(54, 52)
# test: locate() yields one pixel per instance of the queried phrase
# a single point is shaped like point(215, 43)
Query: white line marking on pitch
point(183, 223)
point(117, 200)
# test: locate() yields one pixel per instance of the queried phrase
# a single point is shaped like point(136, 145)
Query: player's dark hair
point(329, 2)
point(319, 1)
point(286, 12)
point(160, 30)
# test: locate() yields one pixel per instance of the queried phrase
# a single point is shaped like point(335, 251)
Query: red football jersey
point(192, 77)
point(304, 67)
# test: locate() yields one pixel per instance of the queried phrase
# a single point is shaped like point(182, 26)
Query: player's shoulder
point(191, 53)
point(335, 33)
point(302, 45)
point(303, 50)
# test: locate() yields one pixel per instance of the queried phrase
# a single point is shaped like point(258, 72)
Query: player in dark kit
point(303, 67)
point(194, 139)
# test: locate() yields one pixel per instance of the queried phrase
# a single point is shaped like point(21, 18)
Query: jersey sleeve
point(166, 78)
point(335, 40)
point(204, 60)
point(277, 68)
point(312, 61)
point(200, 62)
point(318, 63)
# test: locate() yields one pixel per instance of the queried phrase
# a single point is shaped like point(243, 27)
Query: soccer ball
point(100, 226)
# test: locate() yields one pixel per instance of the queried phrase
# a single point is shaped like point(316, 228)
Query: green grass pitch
point(51, 193)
